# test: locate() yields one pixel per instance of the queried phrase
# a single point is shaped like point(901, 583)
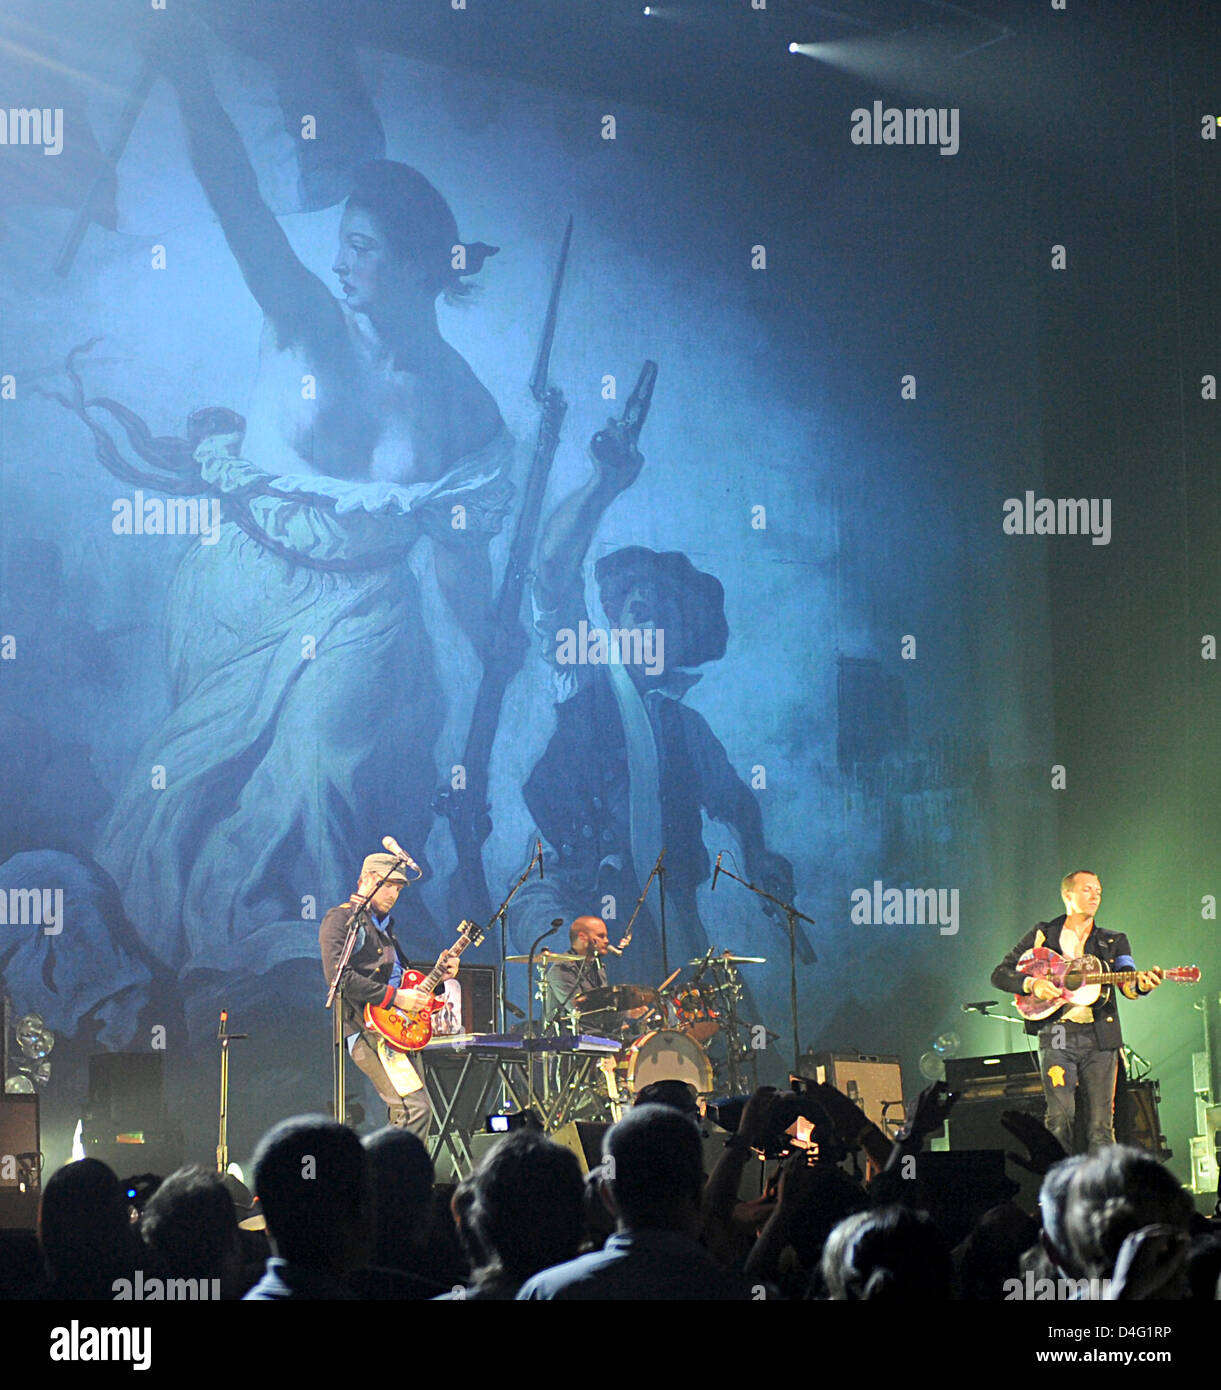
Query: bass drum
point(666, 1055)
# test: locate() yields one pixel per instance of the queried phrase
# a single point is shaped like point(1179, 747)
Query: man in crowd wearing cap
point(373, 975)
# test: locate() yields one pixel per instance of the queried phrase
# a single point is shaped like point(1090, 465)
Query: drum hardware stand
point(727, 991)
point(224, 1037)
point(334, 994)
point(791, 917)
point(556, 924)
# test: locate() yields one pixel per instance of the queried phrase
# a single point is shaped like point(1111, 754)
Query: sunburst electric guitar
point(408, 1032)
point(1079, 981)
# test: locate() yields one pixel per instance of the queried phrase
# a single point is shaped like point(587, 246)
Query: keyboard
point(514, 1043)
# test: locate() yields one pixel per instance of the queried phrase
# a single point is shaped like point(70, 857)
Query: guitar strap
point(394, 941)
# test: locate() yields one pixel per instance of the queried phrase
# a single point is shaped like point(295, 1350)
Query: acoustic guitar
point(1079, 981)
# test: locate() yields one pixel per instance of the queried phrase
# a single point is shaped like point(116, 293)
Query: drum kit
point(673, 1032)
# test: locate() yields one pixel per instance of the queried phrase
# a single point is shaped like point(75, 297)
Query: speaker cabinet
point(1136, 1117)
point(470, 1000)
point(874, 1082)
point(128, 1089)
point(584, 1138)
point(975, 1123)
point(20, 1162)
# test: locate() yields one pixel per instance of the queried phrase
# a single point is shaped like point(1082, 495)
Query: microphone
point(615, 949)
point(538, 849)
point(556, 922)
point(979, 1006)
point(716, 871)
point(390, 843)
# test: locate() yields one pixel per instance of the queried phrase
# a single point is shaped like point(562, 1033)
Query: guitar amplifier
point(20, 1162)
point(874, 1082)
point(1001, 1074)
point(470, 1000)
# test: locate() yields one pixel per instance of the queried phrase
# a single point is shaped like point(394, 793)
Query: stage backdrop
point(271, 440)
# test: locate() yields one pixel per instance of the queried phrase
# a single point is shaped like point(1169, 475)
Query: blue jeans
point(1084, 1070)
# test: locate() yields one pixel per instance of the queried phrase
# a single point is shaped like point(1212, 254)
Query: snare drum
point(666, 1055)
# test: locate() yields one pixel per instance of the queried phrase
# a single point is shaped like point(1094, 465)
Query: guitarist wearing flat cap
point(372, 977)
point(1074, 1014)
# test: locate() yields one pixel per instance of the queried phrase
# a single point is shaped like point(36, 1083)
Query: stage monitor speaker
point(127, 1088)
point(874, 1082)
point(975, 1123)
point(584, 1138)
point(956, 1187)
point(20, 1147)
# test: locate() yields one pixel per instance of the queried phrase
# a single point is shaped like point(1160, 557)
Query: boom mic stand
point(791, 916)
point(535, 858)
point(626, 939)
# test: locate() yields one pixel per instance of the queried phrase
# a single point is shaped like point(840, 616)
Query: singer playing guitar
point(1078, 1044)
point(372, 977)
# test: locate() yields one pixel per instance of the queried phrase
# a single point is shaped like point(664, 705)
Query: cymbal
point(543, 958)
point(616, 999)
point(729, 960)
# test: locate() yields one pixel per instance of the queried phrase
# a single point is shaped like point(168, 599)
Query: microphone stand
point(334, 995)
point(535, 858)
point(985, 1007)
point(551, 931)
point(224, 1037)
point(626, 940)
point(791, 916)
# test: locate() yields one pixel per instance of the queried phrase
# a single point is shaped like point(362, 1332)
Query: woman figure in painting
point(305, 698)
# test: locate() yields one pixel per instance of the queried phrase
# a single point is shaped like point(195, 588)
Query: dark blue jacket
point(1110, 947)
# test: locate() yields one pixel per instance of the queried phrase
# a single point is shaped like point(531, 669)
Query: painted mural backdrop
point(305, 544)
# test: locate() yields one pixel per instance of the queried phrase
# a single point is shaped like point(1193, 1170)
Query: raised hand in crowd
point(1042, 1147)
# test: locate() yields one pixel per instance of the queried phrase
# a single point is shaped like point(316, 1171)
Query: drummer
point(568, 979)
